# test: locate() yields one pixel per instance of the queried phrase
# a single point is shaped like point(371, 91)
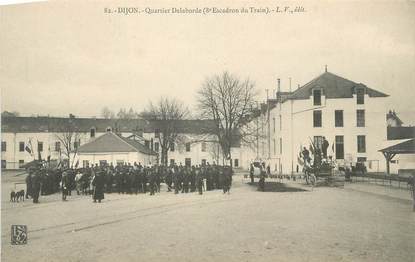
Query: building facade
point(25, 138)
point(351, 117)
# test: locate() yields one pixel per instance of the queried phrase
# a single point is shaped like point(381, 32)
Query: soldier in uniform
point(169, 178)
point(36, 184)
point(192, 179)
point(199, 180)
point(151, 173)
point(261, 183)
point(98, 183)
point(29, 184)
point(65, 185)
point(227, 177)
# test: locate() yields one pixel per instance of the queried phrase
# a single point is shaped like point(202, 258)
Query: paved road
point(326, 224)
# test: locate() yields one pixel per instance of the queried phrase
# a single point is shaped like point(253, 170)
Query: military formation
point(126, 178)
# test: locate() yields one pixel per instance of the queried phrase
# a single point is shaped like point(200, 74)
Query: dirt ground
point(325, 224)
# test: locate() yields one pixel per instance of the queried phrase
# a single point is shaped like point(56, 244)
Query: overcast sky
point(71, 57)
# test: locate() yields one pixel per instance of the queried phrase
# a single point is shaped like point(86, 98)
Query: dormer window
point(360, 96)
point(92, 132)
point(317, 97)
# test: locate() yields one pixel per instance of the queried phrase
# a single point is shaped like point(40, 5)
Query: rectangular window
point(318, 141)
point(104, 162)
point(187, 162)
point(273, 124)
point(317, 97)
point(92, 132)
point(157, 133)
point(338, 118)
point(156, 146)
point(339, 147)
point(147, 143)
point(151, 144)
point(3, 164)
point(3, 146)
point(21, 163)
point(76, 144)
point(203, 146)
point(280, 123)
point(171, 162)
point(172, 146)
point(57, 146)
point(187, 147)
point(280, 145)
point(236, 162)
point(361, 144)
point(21, 146)
point(275, 147)
point(40, 146)
point(85, 163)
point(360, 118)
point(317, 121)
point(360, 96)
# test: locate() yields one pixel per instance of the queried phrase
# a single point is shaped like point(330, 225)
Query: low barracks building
point(351, 116)
point(40, 134)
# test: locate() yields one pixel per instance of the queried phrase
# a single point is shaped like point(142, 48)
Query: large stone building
point(40, 135)
point(350, 115)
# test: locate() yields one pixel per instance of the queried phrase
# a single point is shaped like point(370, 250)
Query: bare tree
point(229, 102)
point(69, 138)
point(166, 114)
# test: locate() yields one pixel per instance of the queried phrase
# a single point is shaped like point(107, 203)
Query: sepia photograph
point(207, 130)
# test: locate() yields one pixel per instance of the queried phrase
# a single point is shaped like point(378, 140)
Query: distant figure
point(98, 182)
point(251, 173)
point(261, 183)
point(306, 155)
point(65, 185)
point(29, 184)
point(324, 147)
point(36, 184)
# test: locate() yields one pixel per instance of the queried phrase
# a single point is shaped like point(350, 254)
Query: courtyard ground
point(359, 222)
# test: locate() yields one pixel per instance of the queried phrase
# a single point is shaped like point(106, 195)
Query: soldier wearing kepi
point(199, 180)
point(36, 184)
point(98, 183)
point(65, 185)
point(29, 183)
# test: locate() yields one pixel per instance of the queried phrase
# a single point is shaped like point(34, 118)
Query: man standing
point(98, 183)
point(324, 147)
point(199, 180)
point(36, 184)
point(65, 185)
point(29, 184)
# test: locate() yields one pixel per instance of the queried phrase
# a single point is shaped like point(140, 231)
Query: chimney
point(278, 89)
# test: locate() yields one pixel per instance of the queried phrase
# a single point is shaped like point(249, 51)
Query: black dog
point(12, 196)
point(20, 195)
point(16, 196)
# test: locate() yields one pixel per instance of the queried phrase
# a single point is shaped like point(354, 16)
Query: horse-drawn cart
point(313, 173)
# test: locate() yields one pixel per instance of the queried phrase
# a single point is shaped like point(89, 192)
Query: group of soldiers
point(127, 178)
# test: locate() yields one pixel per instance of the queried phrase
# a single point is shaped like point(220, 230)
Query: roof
point(392, 115)
point(333, 86)
point(111, 142)
point(13, 124)
point(400, 132)
point(407, 147)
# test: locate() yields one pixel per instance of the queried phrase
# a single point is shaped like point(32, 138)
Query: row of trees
point(225, 99)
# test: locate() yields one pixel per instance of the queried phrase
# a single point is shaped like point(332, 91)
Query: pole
point(292, 133)
point(257, 134)
point(269, 128)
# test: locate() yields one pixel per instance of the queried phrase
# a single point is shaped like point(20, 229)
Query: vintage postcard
point(207, 130)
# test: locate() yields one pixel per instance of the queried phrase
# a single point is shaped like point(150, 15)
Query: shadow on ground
point(276, 187)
